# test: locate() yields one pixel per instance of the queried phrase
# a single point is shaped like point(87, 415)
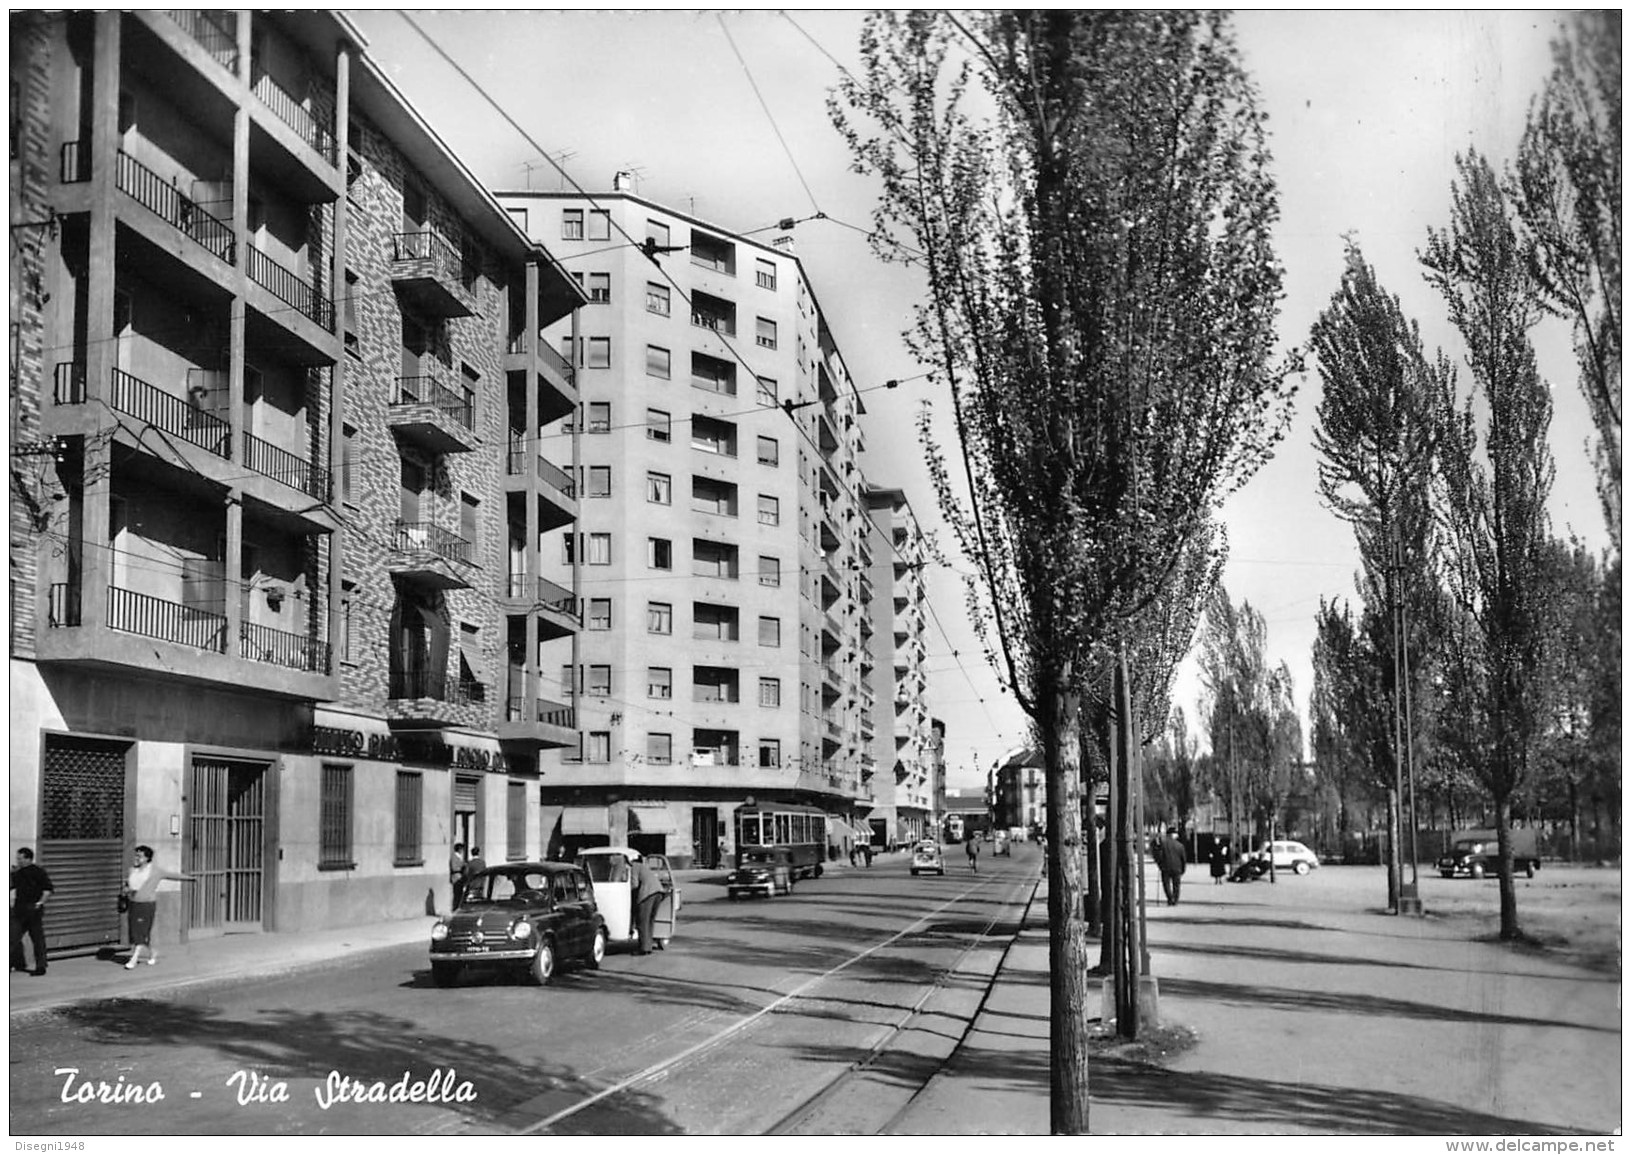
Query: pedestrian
point(1218, 860)
point(30, 887)
point(972, 847)
point(644, 893)
point(142, 892)
point(866, 852)
point(455, 873)
point(723, 857)
point(473, 865)
point(1171, 860)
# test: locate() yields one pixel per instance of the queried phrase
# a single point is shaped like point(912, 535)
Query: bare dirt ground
point(1571, 912)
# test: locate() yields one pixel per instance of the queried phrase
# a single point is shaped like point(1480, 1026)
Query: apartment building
point(903, 740)
point(1018, 789)
point(270, 340)
point(722, 549)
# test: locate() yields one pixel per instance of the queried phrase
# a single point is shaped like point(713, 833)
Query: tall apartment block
point(724, 549)
point(903, 740)
point(278, 606)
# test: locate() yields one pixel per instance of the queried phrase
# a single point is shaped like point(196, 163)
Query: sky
point(724, 115)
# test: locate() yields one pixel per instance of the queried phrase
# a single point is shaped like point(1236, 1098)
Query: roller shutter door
point(82, 840)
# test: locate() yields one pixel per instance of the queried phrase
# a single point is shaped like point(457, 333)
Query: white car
point(610, 874)
point(1293, 856)
point(927, 857)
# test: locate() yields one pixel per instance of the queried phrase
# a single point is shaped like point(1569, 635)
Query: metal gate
point(228, 824)
point(82, 839)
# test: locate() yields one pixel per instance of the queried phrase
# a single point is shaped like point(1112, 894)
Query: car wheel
point(543, 963)
point(819, 869)
point(444, 974)
point(1301, 868)
point(1478, 870)
point(597, 948)
point(914, 874)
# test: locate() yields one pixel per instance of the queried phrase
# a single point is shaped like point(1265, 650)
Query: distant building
point(1019, 790)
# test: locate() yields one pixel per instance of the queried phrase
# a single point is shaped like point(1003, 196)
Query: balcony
point(429, 556)
point(547, 371)
point(431, 697)
point(166, 201)
point(556, 607)
point(525, 472)
point(211, 32)
point(296, 115)
point(155, 637)
point(433, 415)
point(163, 410)
point(546, 725)
point(280, 465)
point(289, 288)
point(431, 275)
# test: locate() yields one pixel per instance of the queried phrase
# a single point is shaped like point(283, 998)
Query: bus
point(800, 829)
point(954, 828)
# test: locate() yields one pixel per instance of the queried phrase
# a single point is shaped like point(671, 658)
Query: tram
point(799, 829)
point(954, 828)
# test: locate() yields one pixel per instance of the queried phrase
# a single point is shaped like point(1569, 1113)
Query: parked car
point(1293, 856)
point(1475, 853)
point(926, 857)
point(766, 870)
point(532, 915)
point(610, 873)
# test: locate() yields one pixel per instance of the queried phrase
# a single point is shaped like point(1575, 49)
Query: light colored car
point(1293, 856)
point(926, 856)
point(610, 870)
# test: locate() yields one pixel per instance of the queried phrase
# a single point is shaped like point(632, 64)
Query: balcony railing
point(549, 595)
point(418, 536)
point(546, 712)
point(281, 648)
point(457, 404)
point(70, 383)
point(554, 360)
point(281, 465)
point(135, 613)
point(296, 115)
point(516, 465)
point(713, 321)
point(62, 608)
point(446, 263)
point(290, 289)
point(76, 161)
point(166, 411)
point(219, 40)
point(152, 191)
point(437, 687)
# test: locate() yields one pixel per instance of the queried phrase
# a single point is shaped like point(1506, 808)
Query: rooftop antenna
point(636, 172)
point(527, 166)
point(560, 158)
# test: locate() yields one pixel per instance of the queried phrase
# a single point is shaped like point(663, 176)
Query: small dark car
point(766, 870)
point(522, 914)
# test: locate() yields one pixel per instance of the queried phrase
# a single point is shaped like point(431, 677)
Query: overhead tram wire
point(774, 127)
point(787, 406)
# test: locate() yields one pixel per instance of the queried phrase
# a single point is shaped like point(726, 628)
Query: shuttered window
point(515, 817)
point(410, 811)
point(334, 819)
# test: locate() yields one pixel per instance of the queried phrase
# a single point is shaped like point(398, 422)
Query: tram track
point(808, 993)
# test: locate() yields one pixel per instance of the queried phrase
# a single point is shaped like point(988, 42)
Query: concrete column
point(338, 378)
point(533, 678)
point(236, 353)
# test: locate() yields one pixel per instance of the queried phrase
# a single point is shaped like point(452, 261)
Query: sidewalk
point(1373, 1026)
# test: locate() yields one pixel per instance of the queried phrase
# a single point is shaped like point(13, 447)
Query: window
point(657, 299)
point(713, 436)
point(715, 497)
point(712, 374)
point(767, 394)
point(770, 631)
point(770, 510)
point(713, 559)
point(348, 464)
point(568, 554)
point(600, 481)
point(769, 451)
point(566, 680)
point(659, 362)
point(571, 224)
point(600, 549)
point(659, 618)
point(659, 489)
point(600, 416)
point(764, 272)
point(334, 819)
point(713, 623)
point(347, 602)
point(658, 425)
point(770, 571)
point(770, 752)
point(600, 614)
point(770, 691)
point(599, 353)
point(659, 682)
point(714, 253)
point(658, 232)
point(469, 523)
point(600, 225)
point(600, 746)
point(351, 291)
point(660, 748)
point(600, 681)
point(713, 684)
point(515, 821)
point(600, 288)
point(659, 553)
point(764, 334)
point(569, 352)
point(410, 811)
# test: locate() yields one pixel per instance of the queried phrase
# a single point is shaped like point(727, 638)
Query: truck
point(1475, 853)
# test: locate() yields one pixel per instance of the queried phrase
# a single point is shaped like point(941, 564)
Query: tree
point(1378, 443)
point(1240, 717)
point(1567, 192)
point(1102, 290)
point(1498, 564)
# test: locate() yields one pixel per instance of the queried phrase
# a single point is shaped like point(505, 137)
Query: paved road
point(801, 1013)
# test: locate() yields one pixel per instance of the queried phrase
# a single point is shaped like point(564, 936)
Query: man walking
point(1170, 859)
point(455, 873)
point(645, 893)
point(973, 847)
point(30, 887)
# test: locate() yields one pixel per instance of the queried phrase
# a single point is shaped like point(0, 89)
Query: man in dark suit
point(30, 887)
point(645, 892)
